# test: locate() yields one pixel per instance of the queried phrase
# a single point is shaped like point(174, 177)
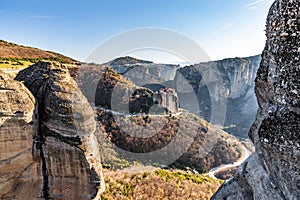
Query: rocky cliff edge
point(273, 172)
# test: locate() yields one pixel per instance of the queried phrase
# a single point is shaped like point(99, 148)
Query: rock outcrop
point(237, 89)
point(273, 172)
point(167, 98)
point(113, 91)
point(20, 170)
point(120, 94)
point(65, 143)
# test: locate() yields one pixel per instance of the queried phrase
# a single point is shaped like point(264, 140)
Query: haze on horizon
point(223, 29)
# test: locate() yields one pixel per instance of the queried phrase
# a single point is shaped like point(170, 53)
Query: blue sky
point(224, 28)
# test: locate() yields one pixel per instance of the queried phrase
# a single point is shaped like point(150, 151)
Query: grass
point(160, 184)
point(182, 176)
point(15, 64)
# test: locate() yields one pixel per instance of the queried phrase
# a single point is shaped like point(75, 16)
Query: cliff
point(56, 153)
point(120, 94)
point(273, 171)
point(144, 72)
point(20, 170)
point(236, 88)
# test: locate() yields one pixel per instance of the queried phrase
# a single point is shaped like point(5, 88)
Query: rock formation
point(141, 101)
point(273, 172)
point(121, 95)
point(237, 89)
point(65, 144)
point(20, 169)
point(167, 98)
point(113, 91)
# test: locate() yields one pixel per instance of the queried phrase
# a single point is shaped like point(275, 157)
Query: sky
point(223, 28)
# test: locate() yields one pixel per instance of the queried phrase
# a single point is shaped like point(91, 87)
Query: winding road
point(216, 170)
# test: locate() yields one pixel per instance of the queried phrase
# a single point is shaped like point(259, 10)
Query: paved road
point(216, 170)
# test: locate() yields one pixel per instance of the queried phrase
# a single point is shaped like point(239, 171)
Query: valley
point(126, 136)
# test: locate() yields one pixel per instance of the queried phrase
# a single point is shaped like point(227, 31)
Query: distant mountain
point(144, 72)
point(13, 51)
point(127, 60)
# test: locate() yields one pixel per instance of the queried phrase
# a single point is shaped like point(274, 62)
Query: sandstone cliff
point(55, 153)
point(273, 171)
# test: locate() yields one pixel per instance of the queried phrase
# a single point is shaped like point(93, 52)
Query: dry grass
point(219, 147)
point(14, 51)
point(160, 184)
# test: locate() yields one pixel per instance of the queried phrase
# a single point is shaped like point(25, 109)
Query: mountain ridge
point(9, 50)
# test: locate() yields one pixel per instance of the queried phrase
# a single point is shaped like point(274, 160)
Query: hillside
point(157, 184)
point(149, 129)
point(10, 50)
point(233, 89)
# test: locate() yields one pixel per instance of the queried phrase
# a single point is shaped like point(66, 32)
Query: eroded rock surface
point(20, 172)
point(273, 172)
point(68, 148)
point(235, 85)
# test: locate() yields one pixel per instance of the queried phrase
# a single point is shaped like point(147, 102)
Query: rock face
point(141, 101)
point(121, 95)
point(20, 171)
point(273, 172)
point(65, 144)
point(237, 89)
point(144, 72)
point(113, 91)
point(167, 98)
